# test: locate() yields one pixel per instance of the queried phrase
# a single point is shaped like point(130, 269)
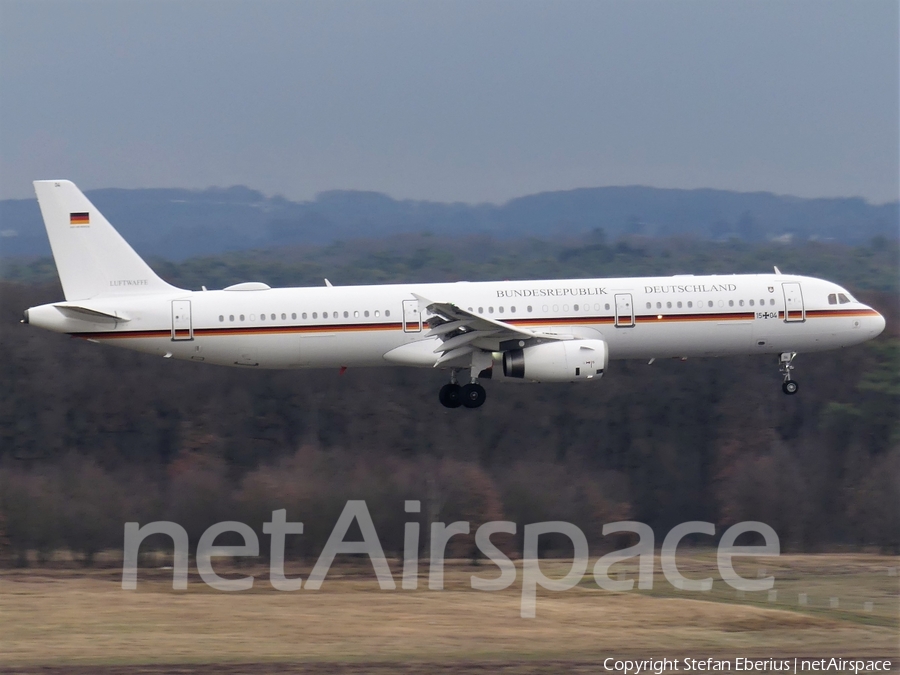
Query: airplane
point(564, 330)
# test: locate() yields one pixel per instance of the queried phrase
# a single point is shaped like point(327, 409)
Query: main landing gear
point(471, 395)
point(785, 366)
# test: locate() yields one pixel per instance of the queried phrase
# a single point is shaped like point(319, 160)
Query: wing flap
point(463, 333)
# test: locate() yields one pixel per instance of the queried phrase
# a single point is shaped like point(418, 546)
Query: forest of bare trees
point(93, 436)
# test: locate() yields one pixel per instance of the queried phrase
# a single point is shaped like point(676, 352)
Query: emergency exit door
point(624, 310)
point(181, 320)
point(412, 318)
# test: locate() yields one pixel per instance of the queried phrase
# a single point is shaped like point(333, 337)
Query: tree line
point(93, 436)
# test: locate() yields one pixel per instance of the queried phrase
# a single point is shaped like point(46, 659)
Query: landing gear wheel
point(785, 366)
point(450, 396)
point(790, 387)
point(473, 395)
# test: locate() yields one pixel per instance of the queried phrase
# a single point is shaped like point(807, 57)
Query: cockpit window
point(843, 298)
point(832, 298)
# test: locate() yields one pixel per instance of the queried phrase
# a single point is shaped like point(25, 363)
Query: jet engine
point(563, 361)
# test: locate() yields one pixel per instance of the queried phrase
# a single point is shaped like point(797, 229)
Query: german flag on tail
point(82, 219)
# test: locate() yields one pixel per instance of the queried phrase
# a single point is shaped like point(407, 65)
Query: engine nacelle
point(563, 361)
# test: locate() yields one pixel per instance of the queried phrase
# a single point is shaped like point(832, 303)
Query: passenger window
point(607, 305)
point(356, 314)
point(221, 318)
point(529, 308)
point(242, 317)
point(512, 310)
point(481, 310)
point(315, 315)
point(648, 305)
point(771, 301)
point(710, 303)
point(387, 312)
point(377, 312)
point(668, 305)
point(679, 304)
point(490, 310)
point(500, 309)
point(284, 316)
point(294, 315)
point(262, 317)
point(690, 303)
point(658, 305)
point(366, 314)
point(346, 314)
point(231, 317)
point(731, 303)
point(273, 317)
point(751, 302)
point(843, 298)
point(575, 307)
point(741, 303)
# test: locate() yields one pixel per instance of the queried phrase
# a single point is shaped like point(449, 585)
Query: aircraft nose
point(878, 324)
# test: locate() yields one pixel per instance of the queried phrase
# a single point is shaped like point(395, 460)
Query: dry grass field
point(56, 619)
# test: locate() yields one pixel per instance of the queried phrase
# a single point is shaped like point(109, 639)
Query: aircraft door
point(412, 318)
point(624, 310)
point(793, 302)
point(182, 329)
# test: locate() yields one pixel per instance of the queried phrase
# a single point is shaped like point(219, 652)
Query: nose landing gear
point(785, 366)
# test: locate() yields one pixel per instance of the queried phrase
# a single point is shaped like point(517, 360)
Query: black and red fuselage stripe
point(396, 326)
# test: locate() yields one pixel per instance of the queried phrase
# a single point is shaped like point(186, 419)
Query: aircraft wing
point(463, 333)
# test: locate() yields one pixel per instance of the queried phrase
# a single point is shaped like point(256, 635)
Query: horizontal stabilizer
point(88, 314)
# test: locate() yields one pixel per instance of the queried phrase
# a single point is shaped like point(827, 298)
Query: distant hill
point(177, 224)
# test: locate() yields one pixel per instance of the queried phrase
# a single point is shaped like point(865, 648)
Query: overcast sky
point(469, 101)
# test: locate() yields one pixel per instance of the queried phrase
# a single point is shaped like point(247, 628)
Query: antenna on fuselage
point(777, 271)
point(329, 284)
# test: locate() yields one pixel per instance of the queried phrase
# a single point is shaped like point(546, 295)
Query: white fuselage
point(649, 317)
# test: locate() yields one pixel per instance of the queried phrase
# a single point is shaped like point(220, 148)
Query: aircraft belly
point(288, 351)
point(676, 340)
point(814, 334)
point(359, 349)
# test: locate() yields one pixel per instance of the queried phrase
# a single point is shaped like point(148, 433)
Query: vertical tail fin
point(91, 257)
